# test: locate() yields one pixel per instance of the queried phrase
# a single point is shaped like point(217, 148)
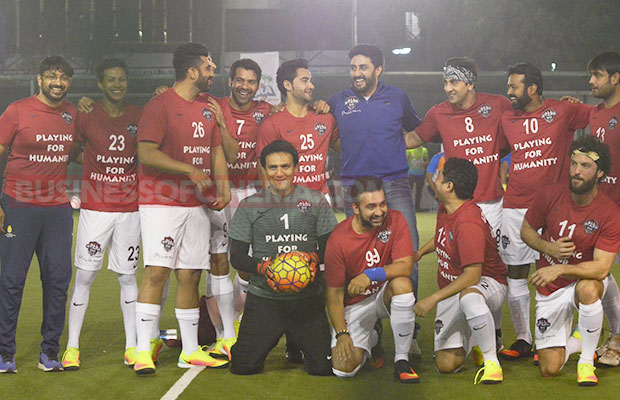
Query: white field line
point(179, 386)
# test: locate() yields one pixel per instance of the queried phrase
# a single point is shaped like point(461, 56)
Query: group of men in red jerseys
point(199, 159)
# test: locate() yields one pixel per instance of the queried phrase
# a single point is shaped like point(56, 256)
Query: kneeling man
point(368, 262)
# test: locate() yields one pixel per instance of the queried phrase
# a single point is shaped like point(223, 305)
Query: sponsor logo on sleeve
point(549, 115)
point(67, 117)
point(207, 114)
point(613, 122)
point(132, 129)
point(485, 110)
point(258, 116)
point(384, 235)
point(590, 226)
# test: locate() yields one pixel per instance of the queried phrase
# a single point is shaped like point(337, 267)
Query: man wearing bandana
point(580, 239)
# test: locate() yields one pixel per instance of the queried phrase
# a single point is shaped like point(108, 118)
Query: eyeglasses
point(52, 77)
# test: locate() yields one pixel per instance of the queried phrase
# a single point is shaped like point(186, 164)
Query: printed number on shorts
point(134, 253)
point(118, 143)
point(372, 257)
point(199, 130)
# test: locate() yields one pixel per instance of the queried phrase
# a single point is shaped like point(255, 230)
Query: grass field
point(103, 375)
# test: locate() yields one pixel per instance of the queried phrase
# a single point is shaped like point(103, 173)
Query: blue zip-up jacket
point(371, 132)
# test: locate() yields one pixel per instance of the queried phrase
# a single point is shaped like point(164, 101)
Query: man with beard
point(580, 239)
point(372, 118)
point(539, 132)
point(35, 215)
point(470, 274)
point(309, 132)
point(368, 261)
point(604, 72)
point(180, 149)
point(243, 117)
point(109, 205)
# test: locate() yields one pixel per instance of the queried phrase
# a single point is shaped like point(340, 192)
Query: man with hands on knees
point(470, 274)
point(368, 261)
point(580, 238)
point(281, 218)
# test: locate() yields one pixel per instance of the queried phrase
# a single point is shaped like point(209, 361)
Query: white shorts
point(451, 328)
point(220, 220)
point(554, 316)
point(512, 249)
point(361, 318)
point(492, 211)
point(97, 230)
point(175, 237)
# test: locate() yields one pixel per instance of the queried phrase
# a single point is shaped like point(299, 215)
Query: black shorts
point(266, 320)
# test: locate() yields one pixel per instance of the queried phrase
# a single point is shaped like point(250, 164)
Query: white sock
point(146, 316)
point(165, 293)
point(480, 321)
point(240, 290)
point(402, 320)
point(78, 305)
point(188, 324)
point(611, 305)
point(573, 345)
point(129, 295)
point(519, 305)
point(590, 325)
point(222, 289)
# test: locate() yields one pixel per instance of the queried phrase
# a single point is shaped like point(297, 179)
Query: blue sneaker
point(48, 362)
point(7, 363)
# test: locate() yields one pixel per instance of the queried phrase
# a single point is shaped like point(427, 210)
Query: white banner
point(269, 63)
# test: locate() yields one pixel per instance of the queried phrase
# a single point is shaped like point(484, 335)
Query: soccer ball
point(291, 272)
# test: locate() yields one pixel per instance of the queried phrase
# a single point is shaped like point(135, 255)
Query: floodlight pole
point(354, 23)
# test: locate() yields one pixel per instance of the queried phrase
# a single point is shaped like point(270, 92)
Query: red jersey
point(471, 134)
point(539, 142)
point(349, 253)
point(464, 238)
point(311, 136)
point(243, 127)
point(39, 139)
point(187, 132)
point(596, 225)
point(109, 170)
point(604, 125)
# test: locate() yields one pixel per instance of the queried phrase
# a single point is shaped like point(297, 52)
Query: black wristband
point(342, 332)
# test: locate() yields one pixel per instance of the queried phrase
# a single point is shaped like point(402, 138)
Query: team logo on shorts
point(321, 128)
point(438, 326)
point(67, 117)
point(590, 226)
point(549, 114)
point(384, 235)
point(351, 102)
point(93, 248)
point(505, 241)
point(207, 114)
point(258, 116)
point(168, 243)
point(612, 123)
point(485, 110)
point(542, 324)
point(132, 129)
point(304, 206)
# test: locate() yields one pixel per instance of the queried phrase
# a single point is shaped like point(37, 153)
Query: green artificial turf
point(103, 375)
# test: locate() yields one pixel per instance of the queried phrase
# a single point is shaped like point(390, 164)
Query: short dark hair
point(464, 62)
point(368, 50)
point(532, 74)
point(110, 63)
point(288, 72)
point(589, 143)
point(463, 175)
point(248, 64)
point(366, 184)
point(55, 63)
point(278, 146)
point(188, 55)
point(608, 61)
